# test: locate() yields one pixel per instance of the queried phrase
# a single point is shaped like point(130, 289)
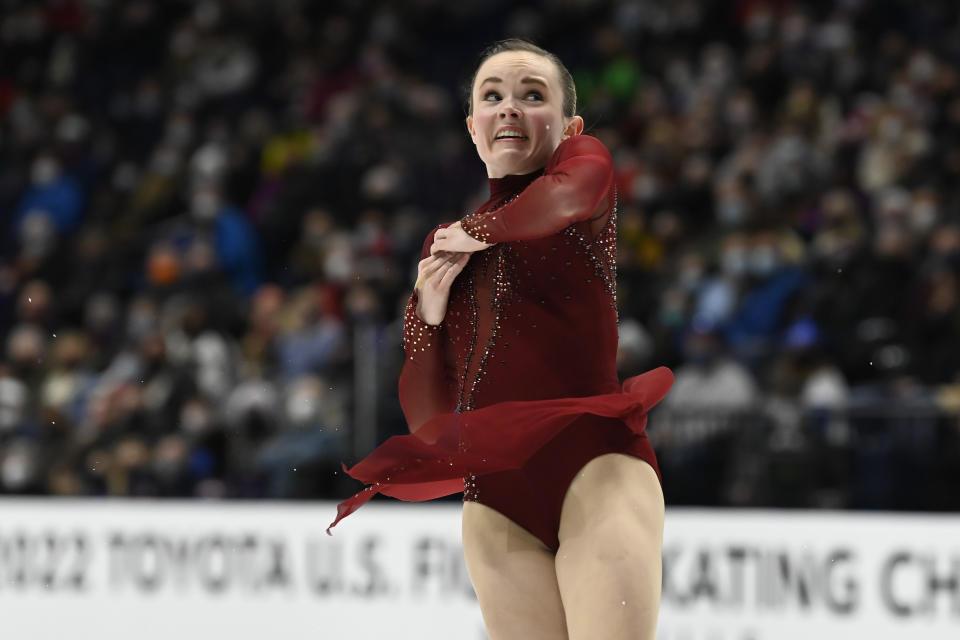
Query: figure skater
point(510, 387)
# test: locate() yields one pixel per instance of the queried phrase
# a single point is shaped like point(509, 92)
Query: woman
point(510, 387)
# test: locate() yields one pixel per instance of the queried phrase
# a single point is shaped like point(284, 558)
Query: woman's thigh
point(609, 561)
point(514, 576)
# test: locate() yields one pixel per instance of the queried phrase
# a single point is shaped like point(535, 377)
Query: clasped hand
point(455, 240)
point(449, 254)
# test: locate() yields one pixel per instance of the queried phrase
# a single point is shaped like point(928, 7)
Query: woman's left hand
point(455, 239)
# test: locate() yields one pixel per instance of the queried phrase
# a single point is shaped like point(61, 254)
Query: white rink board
point(232, 571)
point(788, 575)
point(114, 570)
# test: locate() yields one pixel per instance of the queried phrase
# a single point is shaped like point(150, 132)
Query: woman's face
point(517, 119)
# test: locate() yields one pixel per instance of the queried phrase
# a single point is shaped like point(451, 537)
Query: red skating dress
point(517, 389)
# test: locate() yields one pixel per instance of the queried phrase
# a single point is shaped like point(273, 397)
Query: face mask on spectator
point(923, 216)
point(338, 265)
point(760, 24)
point(922, 68)
point(740, 111)
point(690, 277)
point(37, 234)
point(670, 317)
point(17, 469)
point(734, 262)
point(763, 261)
point(140, 323)
point(165, 162)
point(204, 204)
point(25, 346)
point(195, 418)
point(301, 406)
point(179, 131)
point(45, 170)
point(13, 397)
point(170, 459)
point(891, 128)
point(731, 211)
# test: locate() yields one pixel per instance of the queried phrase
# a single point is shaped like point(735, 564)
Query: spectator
point(709, 378)
point(194, 222)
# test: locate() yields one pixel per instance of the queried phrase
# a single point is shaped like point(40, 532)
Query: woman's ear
point(473, 135)
point(574, 127)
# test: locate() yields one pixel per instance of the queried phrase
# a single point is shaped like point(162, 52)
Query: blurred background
point(211, 213)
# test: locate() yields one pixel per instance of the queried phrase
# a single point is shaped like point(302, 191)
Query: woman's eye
point(491, 95)
point(534, 95)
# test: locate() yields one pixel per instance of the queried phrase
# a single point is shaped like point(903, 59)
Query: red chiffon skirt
point(433, 461)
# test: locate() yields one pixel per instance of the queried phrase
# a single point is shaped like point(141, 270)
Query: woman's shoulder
point(580, 145)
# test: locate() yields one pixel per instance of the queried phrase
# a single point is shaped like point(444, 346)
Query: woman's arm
point(426, 387)
point(573, 185)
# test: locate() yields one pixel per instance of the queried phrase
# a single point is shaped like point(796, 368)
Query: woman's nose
point(508, 110)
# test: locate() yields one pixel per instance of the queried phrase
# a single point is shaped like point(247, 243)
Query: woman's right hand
point(435, 275)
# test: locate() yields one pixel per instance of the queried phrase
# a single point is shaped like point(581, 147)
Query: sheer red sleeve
point(572, 188)
point(426, 386)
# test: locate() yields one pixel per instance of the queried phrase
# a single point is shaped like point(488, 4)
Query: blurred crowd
point(203, 203)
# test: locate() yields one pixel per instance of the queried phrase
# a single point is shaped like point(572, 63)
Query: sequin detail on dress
point(601, 252)
point(474, 224)
point(418, 336)
point(498, 254)
point(503, 293)
point(470, 491)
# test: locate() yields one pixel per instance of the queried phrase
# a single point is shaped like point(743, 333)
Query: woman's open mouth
point(510, 134)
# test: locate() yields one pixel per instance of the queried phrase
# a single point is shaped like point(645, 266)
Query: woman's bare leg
point(514, 576)
point(609, 562)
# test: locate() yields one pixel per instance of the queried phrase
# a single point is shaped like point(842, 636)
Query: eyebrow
point(524, 80)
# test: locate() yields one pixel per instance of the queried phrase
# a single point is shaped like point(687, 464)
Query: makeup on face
point(517, 120)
